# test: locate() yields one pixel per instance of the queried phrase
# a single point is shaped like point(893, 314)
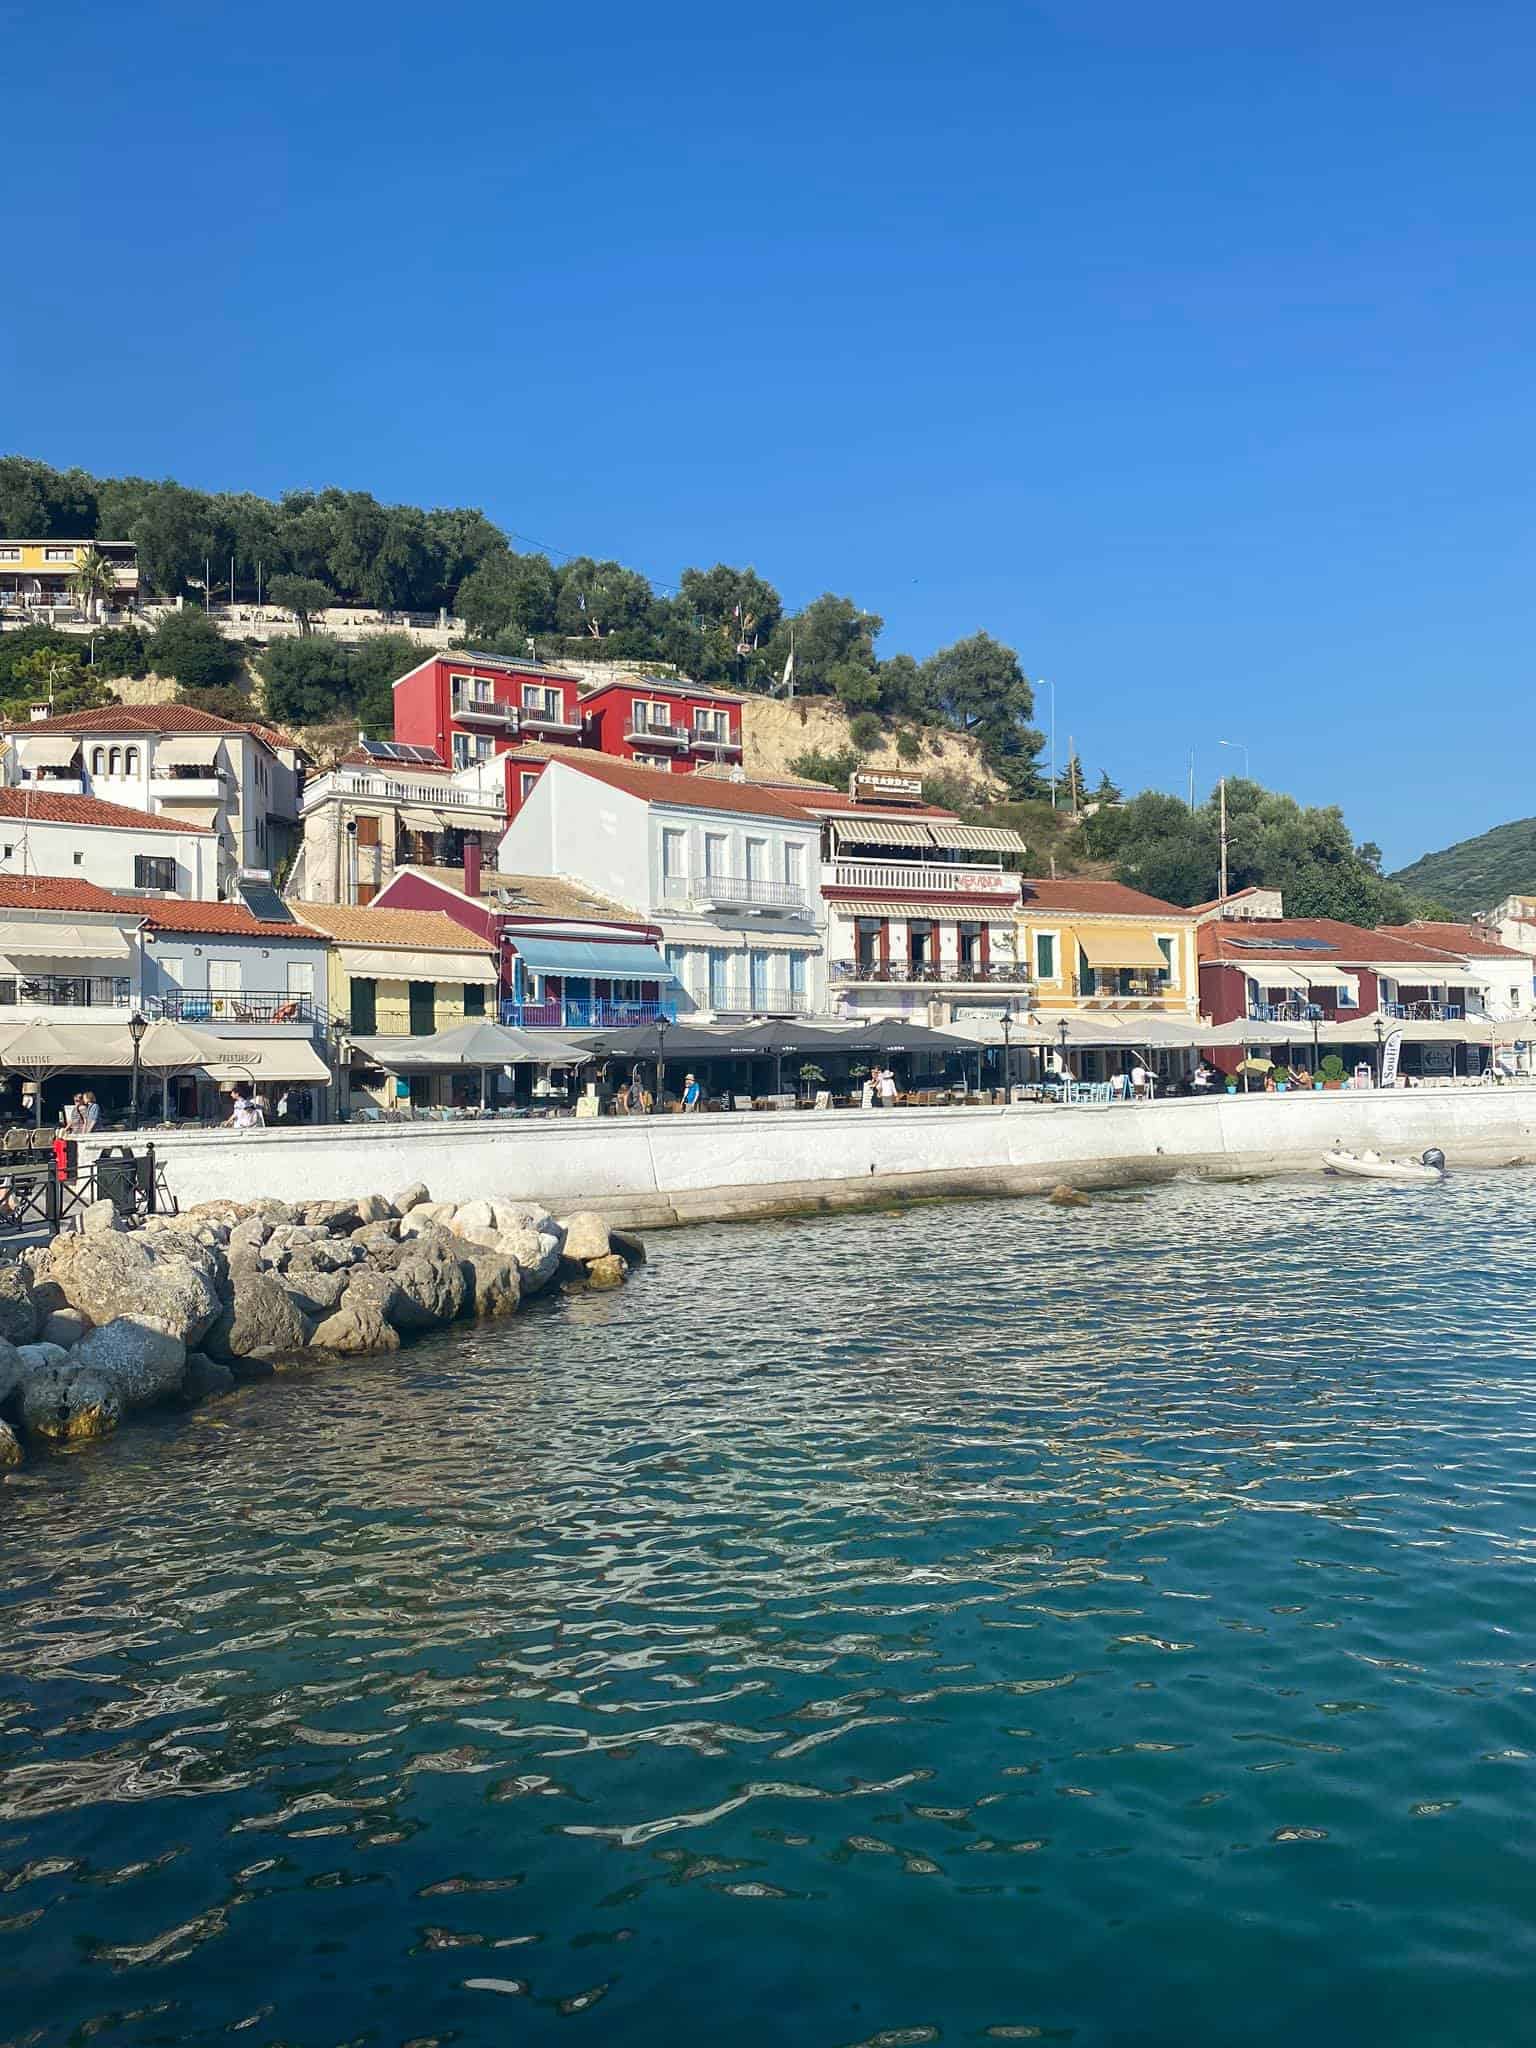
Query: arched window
point(99, 761)
point(132, 760)
point(117, 761)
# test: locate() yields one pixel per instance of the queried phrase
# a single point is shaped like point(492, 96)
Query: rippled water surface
point(986, 1623)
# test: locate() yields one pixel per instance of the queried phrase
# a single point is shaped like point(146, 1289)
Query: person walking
point(887, 1088)
point(693, 1095)
point(868, 1092)
point(636, 1100)
point(245, 1112)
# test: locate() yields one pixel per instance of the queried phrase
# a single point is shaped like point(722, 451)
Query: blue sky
point(1187, 349)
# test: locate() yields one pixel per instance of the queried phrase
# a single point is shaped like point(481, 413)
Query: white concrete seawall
point(657, 1170)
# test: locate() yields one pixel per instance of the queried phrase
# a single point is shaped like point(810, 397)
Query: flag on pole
point(1391, 1052)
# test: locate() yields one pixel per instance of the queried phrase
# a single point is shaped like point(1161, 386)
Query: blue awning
point(584, 956)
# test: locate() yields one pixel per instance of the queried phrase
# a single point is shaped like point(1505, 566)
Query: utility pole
point(1222, 891)
point(1054, 778)
point(1191, 778)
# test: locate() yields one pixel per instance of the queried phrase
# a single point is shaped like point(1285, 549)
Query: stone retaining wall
point(652, 1171)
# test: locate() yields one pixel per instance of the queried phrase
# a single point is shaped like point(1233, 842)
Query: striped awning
point(47, 750)
point(1106, 947)
point(199, 752)
point(977, 838)
point(379, 963)
point(29, 943)
point(883, 832)
point(921, 908)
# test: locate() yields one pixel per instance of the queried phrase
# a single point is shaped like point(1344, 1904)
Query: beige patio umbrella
point(41, 1048)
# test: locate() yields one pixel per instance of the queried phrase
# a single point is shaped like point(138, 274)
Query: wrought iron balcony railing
point(584, 1013)
point(193, 1006)
point(70, 991)
point(957, 973)
point(748, 889)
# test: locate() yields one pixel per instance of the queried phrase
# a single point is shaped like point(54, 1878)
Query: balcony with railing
point(706, 740)
point(208, 1006)
point(927, 878)
point(430, 792)
point(65, 991)
point(663, 733)
point(209, 787)
point(727, 892)
point(1426, 1013)
point(584, 1013)
point(742, 999)
point(470, 709)
point(942, 973)
point(551, 719)
point(1286, 1013)
point(1122, 986)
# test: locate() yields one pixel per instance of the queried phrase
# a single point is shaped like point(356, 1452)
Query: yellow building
point(402, 973)
point(39, 575)
point(1117, 968)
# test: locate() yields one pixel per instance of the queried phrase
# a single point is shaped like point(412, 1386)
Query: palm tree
point(95, 578)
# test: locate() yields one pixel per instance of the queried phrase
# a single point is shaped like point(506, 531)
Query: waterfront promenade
point(649, 1172)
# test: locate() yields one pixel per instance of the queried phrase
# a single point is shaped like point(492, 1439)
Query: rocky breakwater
point(183, 1308)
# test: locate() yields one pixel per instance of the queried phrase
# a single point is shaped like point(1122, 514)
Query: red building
point(677, 726)
point(466, 707)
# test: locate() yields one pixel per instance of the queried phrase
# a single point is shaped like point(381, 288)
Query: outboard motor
point(1433, 1157)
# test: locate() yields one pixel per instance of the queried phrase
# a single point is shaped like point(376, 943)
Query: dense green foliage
point(1475, 874)
point(722, 624)
point(315, 680)
point(190, 649)
point(1158, 844)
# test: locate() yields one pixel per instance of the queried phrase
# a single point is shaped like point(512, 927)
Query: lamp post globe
point(138, 1024)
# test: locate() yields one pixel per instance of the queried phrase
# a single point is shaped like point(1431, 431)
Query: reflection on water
point(985, 1623)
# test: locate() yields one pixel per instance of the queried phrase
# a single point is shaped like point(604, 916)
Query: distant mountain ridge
point(1475, 874)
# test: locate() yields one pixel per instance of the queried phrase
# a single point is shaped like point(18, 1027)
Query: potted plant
point(811, 1078)
point(1330, 1072)
point(1281, 1076)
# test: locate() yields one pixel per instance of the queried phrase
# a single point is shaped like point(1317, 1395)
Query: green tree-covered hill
point(1474, 874)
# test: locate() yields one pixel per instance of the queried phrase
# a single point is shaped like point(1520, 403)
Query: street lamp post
point(1381, 1032)
point(137, 1026)
point(661, 1054)
point(1007, 1054)
point(1065, 1070)
point(1241, 747)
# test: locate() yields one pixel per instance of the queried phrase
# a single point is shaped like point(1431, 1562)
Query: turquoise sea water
point(986, 1623)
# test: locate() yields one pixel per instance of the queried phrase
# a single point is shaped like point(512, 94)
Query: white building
point(730, 871)
point(138, 852)
point(386, 806)
point(919, 912)
point(239, 781)
point(1504, 969)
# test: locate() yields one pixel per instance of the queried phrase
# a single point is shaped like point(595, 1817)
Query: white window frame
point(529, 782)
point(674, 841)
point(716, 871)
point(10, 554)
point(59, 554)
point(461, 750)
point(794, 865)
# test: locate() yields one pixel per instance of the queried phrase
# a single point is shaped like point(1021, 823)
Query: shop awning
point(584, 956)
point(379, 963)
point(28, 943)
point(204, 814)
point(977, 838)
point(47, 750)
point(926, 911)
point(1274, 973)
point(268, 1059)
point(422, 821)
point(202, 752)
point(1107, 948)
point(475, 1044)
point(882, 832)
point(43, 1047)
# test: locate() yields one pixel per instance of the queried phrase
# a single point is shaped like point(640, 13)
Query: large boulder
point(535, 1253)
point(10, 1447)
point(385, 1231)
point(112, 1275)
point(586, 1237)
point(630, 1248)
point(427, 1216)
point(18, 1311)
point(64, 1404)
point(373, 1209)
point(137, 1359)
point(64, 1326)
point(13, 1370)
point(220, 1209)
point(356, 1326)
point(379, 1290)
point(410, 1198)
point(336, 1217)
point(41, 1354)
point(263, 1320)
point(316, 1293)
point(492, 1279)
point(103, 1215)
point(250, 1234)
point(607, 1272)
point(206, 1378)
point(432, 1289)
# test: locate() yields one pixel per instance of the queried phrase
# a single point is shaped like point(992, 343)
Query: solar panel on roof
point(263, 901)
point(1285, 945)
point(397, 750)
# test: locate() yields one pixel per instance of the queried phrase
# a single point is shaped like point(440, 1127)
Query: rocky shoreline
point(112, 1320)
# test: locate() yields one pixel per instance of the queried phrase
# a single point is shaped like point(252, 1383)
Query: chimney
point(472, 865)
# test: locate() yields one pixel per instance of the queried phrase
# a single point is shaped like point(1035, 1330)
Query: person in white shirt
point(246, 1112)
point(867, 1092)
point(1141, 1082)
point(887, 1089)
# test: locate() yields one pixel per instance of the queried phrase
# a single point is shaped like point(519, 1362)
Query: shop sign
point(873, 786)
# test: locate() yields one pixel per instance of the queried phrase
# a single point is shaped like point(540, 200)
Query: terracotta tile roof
point(1313, 940)
point(698, 792)
point(152, 718)
point(228, 920)
point(1472, 939)
point(55, 892)
point(554, 896)
point(33, 800)
point(419, 930)
point(662, 686)
point(1087, 897)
